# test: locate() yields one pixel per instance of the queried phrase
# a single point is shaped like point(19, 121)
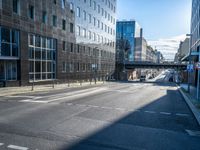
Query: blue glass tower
point(126, 33)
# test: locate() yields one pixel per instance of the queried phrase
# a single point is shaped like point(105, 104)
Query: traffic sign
point(190, 67)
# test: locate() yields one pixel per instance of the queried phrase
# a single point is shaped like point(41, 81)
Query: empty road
point(113, 116)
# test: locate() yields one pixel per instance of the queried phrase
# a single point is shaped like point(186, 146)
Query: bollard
point(32, 86)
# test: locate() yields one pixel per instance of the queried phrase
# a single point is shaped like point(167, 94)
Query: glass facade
point(42, 58)
point(127, 31)
point(195, 25)
point(95, 27)
point(9, 53)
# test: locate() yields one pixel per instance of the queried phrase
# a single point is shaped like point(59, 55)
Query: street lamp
point(189, 35)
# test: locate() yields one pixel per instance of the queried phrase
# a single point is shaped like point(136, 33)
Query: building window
point(89, 35)
point(78, 48)
point(64, 24)
point(42, 58)
point(71, 6)
point(78, 12)
point(94, 5)
point(90, 3)
point(94, 21)
point(54, 19)
point(64, 46)
point(44, 17)
point(31, 11)
point(84, 33)
point(9, 42)
point(99, 9)
point(71, 67)
point(71, 27)
point(63, 4)
point(63, 66)
point(16, 6)
point(90, 18)
point(71, 47)
point(78, 30)
point(84, 15)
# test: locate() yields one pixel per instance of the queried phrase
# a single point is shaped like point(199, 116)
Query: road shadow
point(146, 129)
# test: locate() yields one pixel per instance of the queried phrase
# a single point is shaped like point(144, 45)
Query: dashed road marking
point(193, 133)
point(33, 101)
point(121, 109)
point(151, 112)
point(1, 144)
point(17, 147)
point(165, 113)
point(183, 115)
point(104, 107)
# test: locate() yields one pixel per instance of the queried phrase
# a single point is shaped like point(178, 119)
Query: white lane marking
point(151, 112)
point(1, 144)
point(106, 107)
point(69, 104)
point(93, 106)
point(121, 109)
point(17, 147)
point(33, 101)
point(193, 133)
point(183, 115)
point(165, 113)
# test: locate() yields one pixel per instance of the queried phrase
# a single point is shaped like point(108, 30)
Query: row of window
point(102, 26)
point(31, 15)
point(89, 16)
point(82, 67)
point(42, 57)
point(76, 48)
point(95, 6)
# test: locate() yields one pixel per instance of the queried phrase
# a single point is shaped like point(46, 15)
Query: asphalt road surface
point(114, 116)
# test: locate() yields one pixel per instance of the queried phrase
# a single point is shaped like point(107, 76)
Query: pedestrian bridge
point(151, 65)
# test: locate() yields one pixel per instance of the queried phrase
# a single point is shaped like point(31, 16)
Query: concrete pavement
point(117, 116)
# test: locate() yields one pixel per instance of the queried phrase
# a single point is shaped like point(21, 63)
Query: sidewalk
point(8, 91)
point(191, 100)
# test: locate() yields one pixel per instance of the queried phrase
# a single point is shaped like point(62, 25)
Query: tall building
point(44, 40)
point(95, 29)
point(127, 31)
point(195, 36)
point(183, 51)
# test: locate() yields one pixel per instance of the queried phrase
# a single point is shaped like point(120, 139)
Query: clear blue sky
point(158, 18)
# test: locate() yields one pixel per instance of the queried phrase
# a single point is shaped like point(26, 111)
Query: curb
point(191, 106)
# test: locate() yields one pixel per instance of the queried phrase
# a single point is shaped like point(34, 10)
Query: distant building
point(126, 33)
point(131, 46)
point(183, 51)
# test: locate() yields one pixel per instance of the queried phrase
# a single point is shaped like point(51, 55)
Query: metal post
point(53, 84)
point(198, 76)
point(32, 86)
point(190, 35)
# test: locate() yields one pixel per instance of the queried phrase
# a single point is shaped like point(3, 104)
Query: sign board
point(190, 67)
point(198, 65)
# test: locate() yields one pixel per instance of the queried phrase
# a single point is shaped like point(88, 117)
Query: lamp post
point(189, 35)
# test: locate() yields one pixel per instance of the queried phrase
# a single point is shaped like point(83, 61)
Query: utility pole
point(190, 61)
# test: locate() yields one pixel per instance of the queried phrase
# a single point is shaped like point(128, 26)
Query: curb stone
point(191, 106)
